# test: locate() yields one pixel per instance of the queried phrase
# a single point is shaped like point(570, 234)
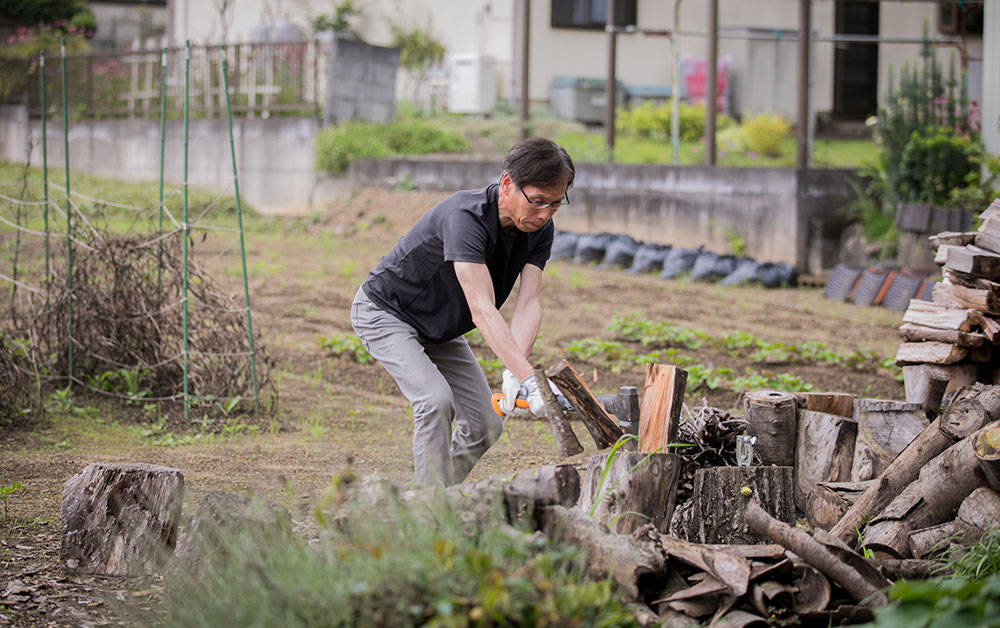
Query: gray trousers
point(453, 421)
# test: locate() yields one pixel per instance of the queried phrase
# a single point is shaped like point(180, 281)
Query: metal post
point(185, 228)
point(69, 217)
point(239, 221)
point(163, 140)
point(609, 110)
point(45, 172)
point(523, 114)
point(802, 132)
point(712, 83)
point(675, 88)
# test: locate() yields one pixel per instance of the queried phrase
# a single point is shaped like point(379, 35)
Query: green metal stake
point(69, 214)
point(239, 220)
point(163, 136)
point(184, 225)
point(45, 172)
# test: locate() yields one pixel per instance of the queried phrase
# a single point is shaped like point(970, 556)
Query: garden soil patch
point(334, 413)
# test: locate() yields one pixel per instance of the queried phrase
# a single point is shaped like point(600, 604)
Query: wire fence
point(264, 79)
point(128, 315)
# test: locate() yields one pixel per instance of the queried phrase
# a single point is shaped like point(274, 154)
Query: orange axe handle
point(498, 397)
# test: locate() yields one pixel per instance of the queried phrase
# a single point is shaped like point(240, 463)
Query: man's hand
point(534, 398)
point(510, 387)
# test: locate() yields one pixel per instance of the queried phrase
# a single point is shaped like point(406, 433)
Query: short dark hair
point(539, 161)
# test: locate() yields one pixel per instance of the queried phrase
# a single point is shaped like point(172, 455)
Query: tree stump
point(824, 452)
point(120, 519)
point(715, 511)
point(988, 454)
point(771, 418)
point(885, 428)
point(629, 490)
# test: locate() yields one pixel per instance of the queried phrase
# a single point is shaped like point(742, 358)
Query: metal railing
point(287, 78)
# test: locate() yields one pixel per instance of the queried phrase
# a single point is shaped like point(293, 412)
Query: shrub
point(764, 133)
point(337, 146)
point(653, 121)
point(934, 163)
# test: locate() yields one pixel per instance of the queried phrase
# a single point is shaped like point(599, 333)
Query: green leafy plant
point(764, 133)
point(342, 20)
point(979, 560)
point(347, 346)
point(942, 601)
point(337, 146)
point(5, 492)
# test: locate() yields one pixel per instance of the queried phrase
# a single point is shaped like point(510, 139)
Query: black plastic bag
point(711, 266)
point(745, 272)
point(621, 249)
point(564, 245)
point(678, 261)
point(648, 259)
point(590, 248)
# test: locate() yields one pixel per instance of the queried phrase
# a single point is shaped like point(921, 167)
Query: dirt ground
point(334, 413)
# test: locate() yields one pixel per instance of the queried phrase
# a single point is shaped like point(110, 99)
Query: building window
point(591, 13)
point(960, 18)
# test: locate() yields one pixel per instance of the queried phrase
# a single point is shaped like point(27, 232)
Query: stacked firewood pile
point(957, 329)
point(906, 479)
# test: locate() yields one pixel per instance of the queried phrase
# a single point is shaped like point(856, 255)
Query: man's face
point(522, 207)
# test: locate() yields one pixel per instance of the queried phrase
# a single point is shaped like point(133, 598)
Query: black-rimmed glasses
point(544, 205)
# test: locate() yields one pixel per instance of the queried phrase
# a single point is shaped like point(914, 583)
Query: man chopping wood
point(450, 274)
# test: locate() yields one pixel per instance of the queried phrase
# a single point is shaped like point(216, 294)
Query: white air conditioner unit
point(472, 87)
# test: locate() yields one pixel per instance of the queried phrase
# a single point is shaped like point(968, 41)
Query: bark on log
point(728, 568)
point(635, 565)
point(933, 498)
point(814, 553)
point(603, 429)
point(120, 519)
point(925, 385)
point(627, 490)
point(930, 541)
point(918, 333)
point(828, 501)
point(974, 261)
point(951, 295)
point(885, 428)
point(523, 494)
point(930, 314)
point(771, 418)
point(907, 568)
point(567, 443)
point(715, 513)
point(824, 452)
point(988, 454)
point(929, 352)
point(660, 409)
point(980, 511)
point(838, 403)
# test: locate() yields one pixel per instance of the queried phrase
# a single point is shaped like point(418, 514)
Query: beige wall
point(487, 26)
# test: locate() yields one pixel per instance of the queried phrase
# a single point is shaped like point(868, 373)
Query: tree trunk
point(988, 454)
point(660, 409)
point(814, 553)
point(626, 490)
point(824, 452)
point(933, 498)
point(120, 519)
point(771, 418)
point(885, 428)
point(604, 430)
point(634, 565)
point(567, 443)
point(715, 514)
point(925, 385)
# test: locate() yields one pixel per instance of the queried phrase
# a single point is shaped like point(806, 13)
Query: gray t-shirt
point(416, 280)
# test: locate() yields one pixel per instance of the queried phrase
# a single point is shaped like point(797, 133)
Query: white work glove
point(510, 387)
point(536, 404)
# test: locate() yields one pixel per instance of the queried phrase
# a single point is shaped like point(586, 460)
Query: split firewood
point(925, 384)
point(952, 238)
point(974, 261)
point(567, 443)
point(714, 514)
point(814, 553)
point(120, 519)
point(948, 294)
point(918, 333)
point(979, 513)
point(906, 466)
point(771, 418)
point(731, 570)
point(627, 490)
point(991, 329)
point(837, 403)
point(988, 454)
point(988, 236)
point(941, 254)
point(827, 502)
point(930, 314)
point(660, 409)
point(634, 564)
point(885, 428)
point(603, 429)
point(824, 451)
point(907, 568)
point(929, 352)
point(932, 498)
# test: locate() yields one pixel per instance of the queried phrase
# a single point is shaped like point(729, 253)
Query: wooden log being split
point(627, 490)
point(918, 333)
point(838, 403)
point(604, 430)
point(634, 565)
point(925, 385)
point(660, 410)
point(771, 419)
point(933, 498)
point(824, 452)
point(814, 553)
point(120, 519)
point(567, 443)
point(988, 454)
point(714, 513)
point(905, 468)
point(885, 428)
